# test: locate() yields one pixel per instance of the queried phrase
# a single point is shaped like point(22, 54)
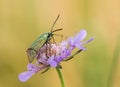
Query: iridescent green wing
point(35, 46)
point(39, 42)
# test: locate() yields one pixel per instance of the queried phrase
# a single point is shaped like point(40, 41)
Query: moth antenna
point(55, 22)
point(57, 30)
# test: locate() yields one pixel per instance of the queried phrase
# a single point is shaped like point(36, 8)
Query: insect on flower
point(57, 53)
point(43, 39)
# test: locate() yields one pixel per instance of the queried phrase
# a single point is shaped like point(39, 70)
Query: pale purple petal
point(80, 47)
point(58, 59)
point(23, 77)
point(32, 67)
point(78, 38)
point(81, 35)
point(71, 41)
point(52, 62)
point(91, 39)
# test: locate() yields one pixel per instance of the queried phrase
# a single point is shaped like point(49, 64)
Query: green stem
point(60, 76)
point(114, 64)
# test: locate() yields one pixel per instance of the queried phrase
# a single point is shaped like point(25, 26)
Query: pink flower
point(52, 54)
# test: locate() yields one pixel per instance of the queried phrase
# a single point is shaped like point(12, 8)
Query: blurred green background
point(21, 21)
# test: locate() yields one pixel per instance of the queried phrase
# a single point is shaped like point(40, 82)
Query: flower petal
point(80, 47)
point(88, 41)
point(32, 67)
point(52, 62)
point(71, 41)
point(23, 77)
point(81, 35)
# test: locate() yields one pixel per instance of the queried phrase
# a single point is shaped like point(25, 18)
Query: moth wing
point(36, 46)
point(38, 43)
point(31, 54)
point(33, 51)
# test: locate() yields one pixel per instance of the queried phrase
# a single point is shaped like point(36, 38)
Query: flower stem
point(60, 76)
point(114, 63)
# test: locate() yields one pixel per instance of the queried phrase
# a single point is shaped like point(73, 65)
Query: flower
point(77, 40)
point(52, 54)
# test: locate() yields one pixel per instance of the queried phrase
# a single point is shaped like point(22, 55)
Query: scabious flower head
point(52, 54)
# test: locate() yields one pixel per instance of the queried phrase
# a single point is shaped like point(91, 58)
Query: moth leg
point(50, 46)
point(53, 40)
point(60, 36)
point(47, 50)
point(70, 57)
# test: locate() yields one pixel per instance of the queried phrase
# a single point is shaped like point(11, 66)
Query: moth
point(38, 43)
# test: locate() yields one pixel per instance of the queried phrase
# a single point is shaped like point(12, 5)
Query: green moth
point(43, 39)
